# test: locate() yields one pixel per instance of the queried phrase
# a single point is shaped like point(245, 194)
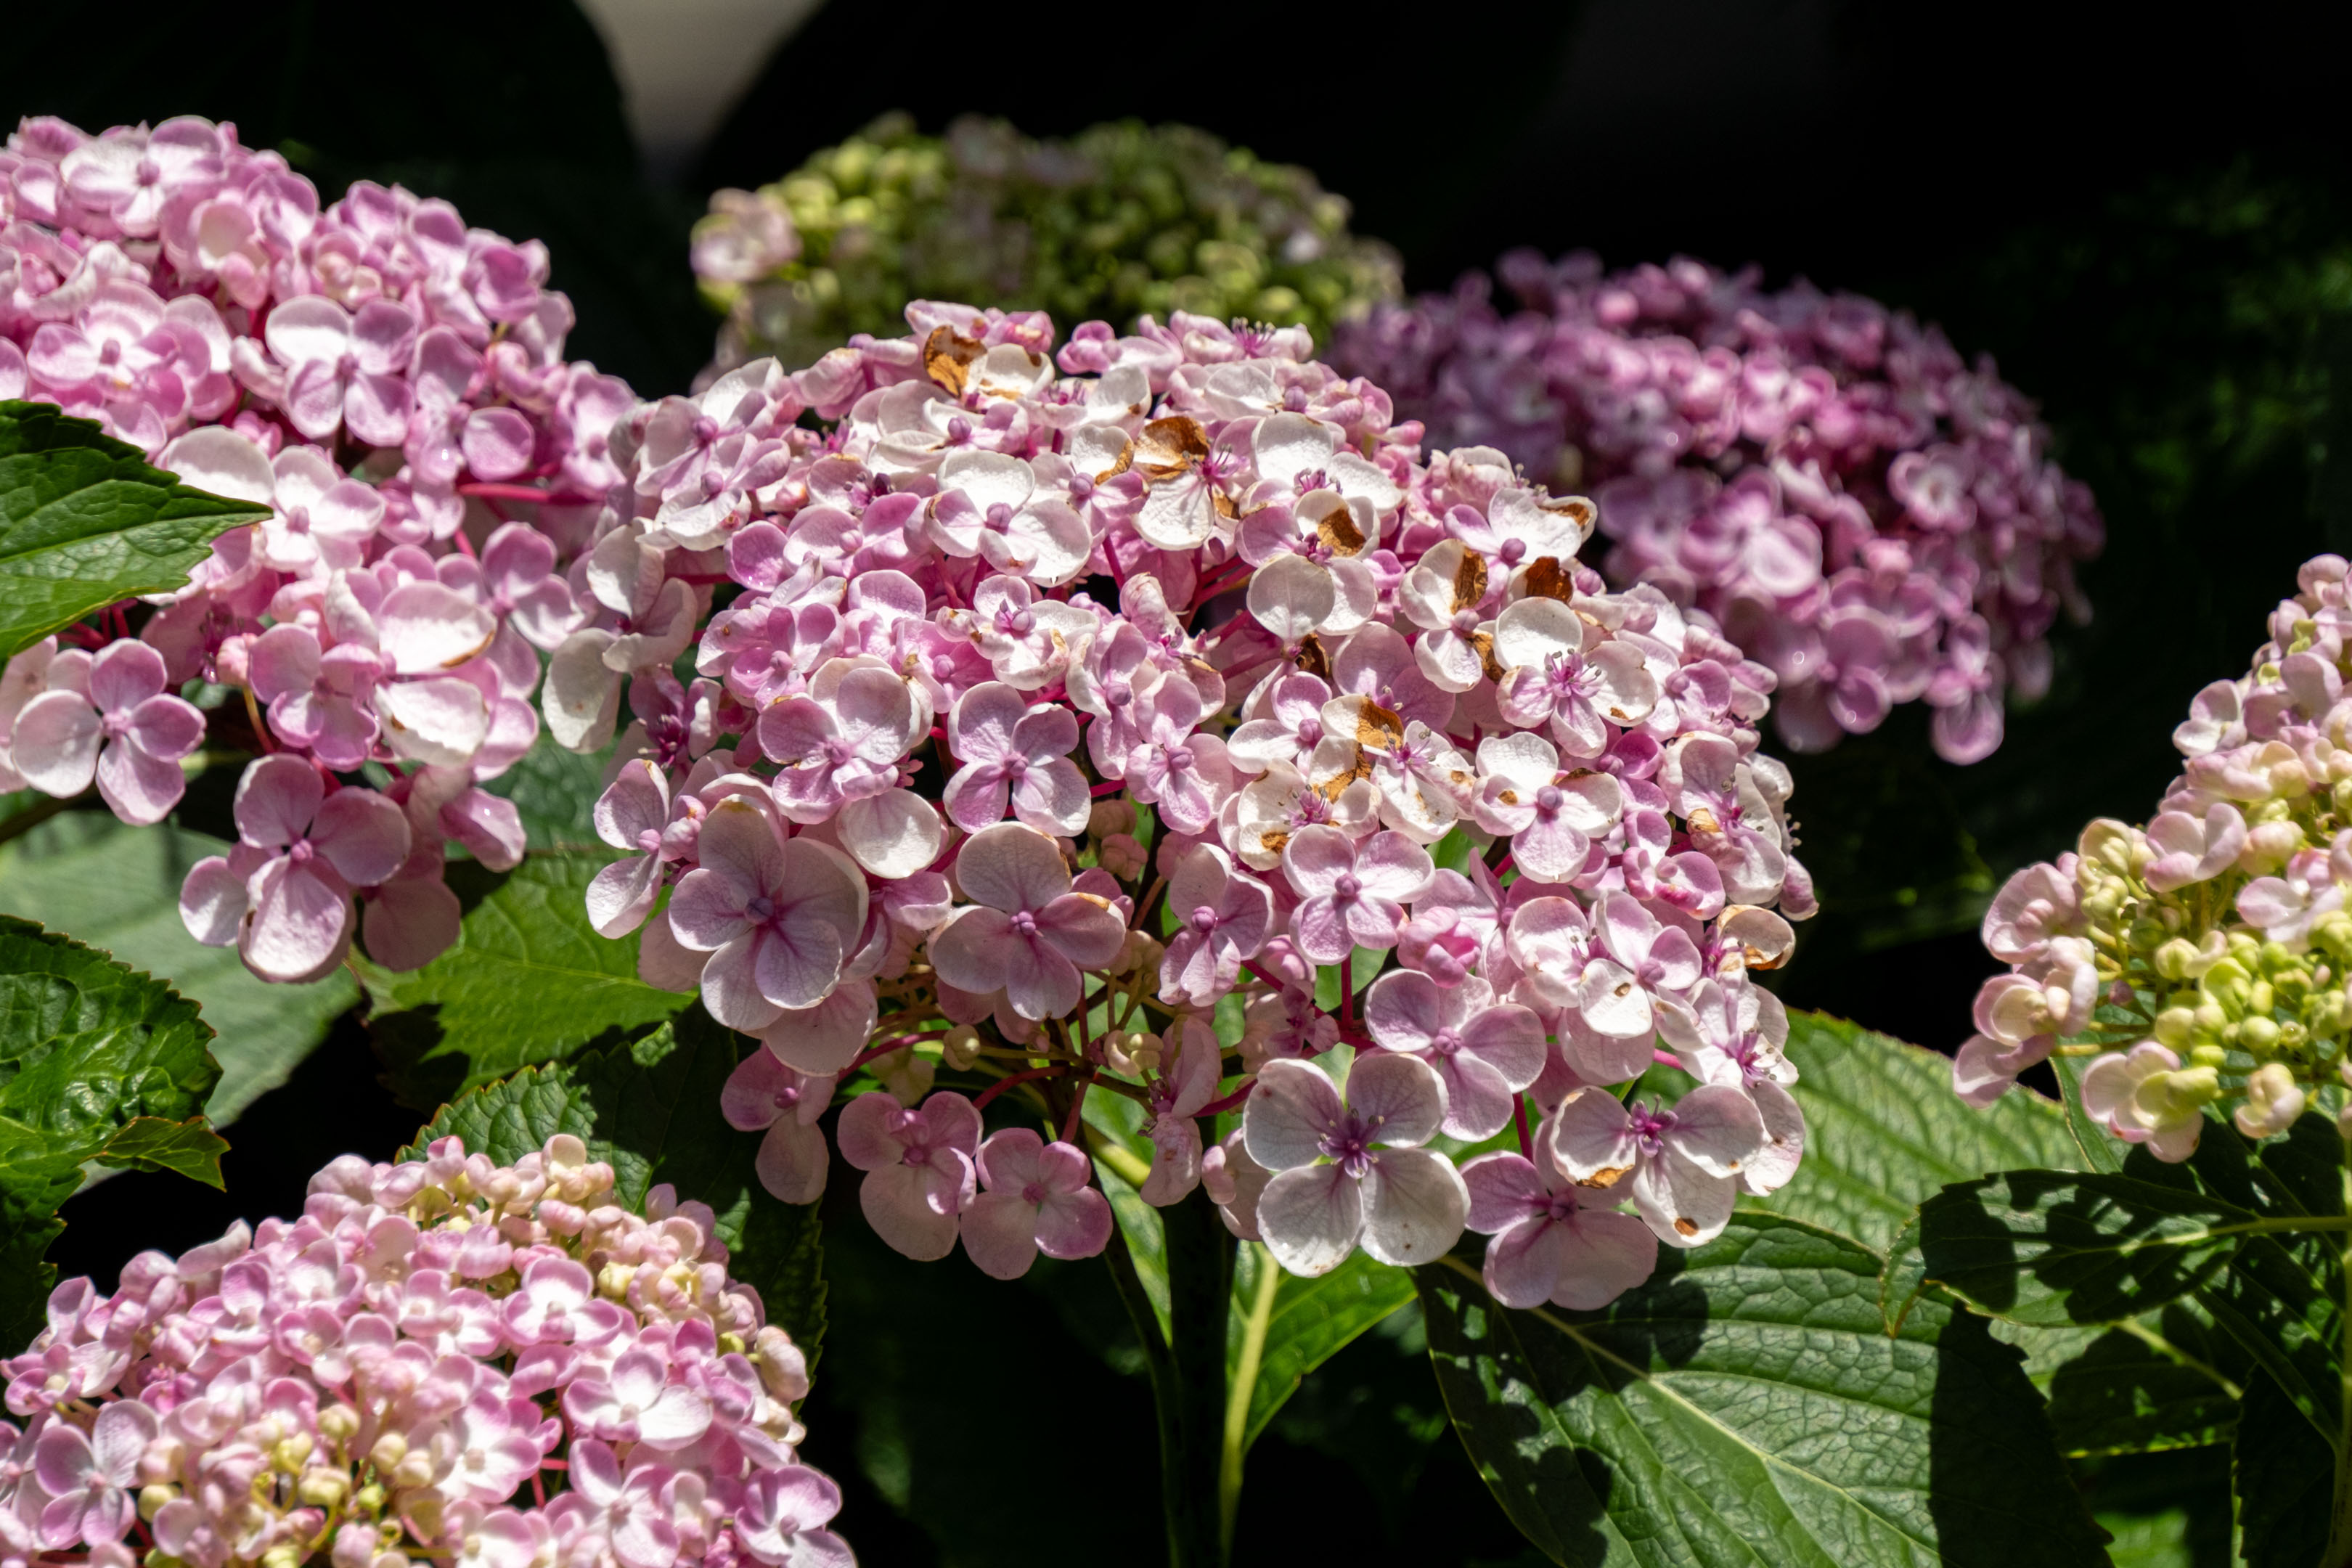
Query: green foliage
point(554, 792)
point(1311, 1322)
point(650, 1106)
point(85, 522)
point(118, 888)
point(1120, 220)
point(97, 1062)
point(528, 983)
point(1748, 1404)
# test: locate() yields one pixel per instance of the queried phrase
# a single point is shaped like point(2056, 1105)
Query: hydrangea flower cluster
point(2204, 958)
point(1068, 705)
point(1120, 219)
point(392, 385)
point(488, 1366)
point(1861, 510)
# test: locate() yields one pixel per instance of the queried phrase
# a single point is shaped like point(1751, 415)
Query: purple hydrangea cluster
point(392, 385)
point(1860, 510)
point(488, 1366)
point(2206, 958)
point(1064, 699)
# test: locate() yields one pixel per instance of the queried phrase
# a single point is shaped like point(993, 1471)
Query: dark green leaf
point(1884, 1131)
point(2284, 1475)
point(2067, 1247)
point(1747, 1406)
point(87, 1046)
point(85, 522)
point(1311, 1322)
point(528, 983)
point(2131, 1390)
point(151, 1143)
point(118, 888)
point(651, 1107)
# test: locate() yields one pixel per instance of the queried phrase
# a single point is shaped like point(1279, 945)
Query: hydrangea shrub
point(494, 1366)
point(1120, 220)
point(391, 386)
point(1868, 515)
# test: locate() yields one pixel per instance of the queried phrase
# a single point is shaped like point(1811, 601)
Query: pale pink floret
point(1684, 1159)
point(88, 1479)
point(284, 894)
point(636, 1404)
point(1187, 1081)
point(782, 1517)
point(1010, 746)
point(1351, 894)
point(125, 732)
point(920, 1174)
point(777, 916)
point(1550, 1246)
point(1485, 1052)
point(1036, 1200)
point(1351, 1171)
point(762, 1092)
point(1223, 917)
point(1026, 933)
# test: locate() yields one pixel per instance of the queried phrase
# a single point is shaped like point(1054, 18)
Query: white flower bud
point(960, 1046)
point(2274, 1101)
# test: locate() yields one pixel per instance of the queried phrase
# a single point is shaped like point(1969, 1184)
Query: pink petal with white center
point(1011, 867)
point(908, 1209)
point(1401, 1097)
point(1414, 1205)
point(308, 328)
point(1311, 1218)
point(1716, 1128)
point(1316, 857)
point(212, 901)
point(1682, 1205)
point(1613, 1002)
point(1291, 1109)
point(893, 835)
point(1403, 1009)
point(1590, 1138)
point(137, 786)
point(426, 627)
point(301, 924)
point(56, 742)
point(1770, 1168)
point(125, 674)
point(410, 922)
point(442, 723)
point(361, 835)
point(496, 443)
point(1292, 596)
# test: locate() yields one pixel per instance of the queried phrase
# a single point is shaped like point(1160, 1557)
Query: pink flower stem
point(538, 1489)
point(1112, 787)
point(1499, 867)
point(1519, 1119)
point(1000, 1085)
point(532, 494)
point(554, 1464)
point(882, 1049)
point(1667, 1059)
point(1077, 1104)
point(1230, 1102)
point(465, 545)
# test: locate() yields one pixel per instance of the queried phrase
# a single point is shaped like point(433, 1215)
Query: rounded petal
point(1290, 1111)
point(896, 1201)
point(1311, 1218)
point(212, 901)
point(300, 922)
point(893, 835)
point(411, 921)
point(140, 788)
point(1009, 867)
point(824, 1038)
point(361, 835)
point(1000, 1235)
point(1401, 1097)
point(793, 1161)
point(1682, 1205)
point(1590, 1138)
point(1606, 1254)
point(56, 742)
point(1414, 1205)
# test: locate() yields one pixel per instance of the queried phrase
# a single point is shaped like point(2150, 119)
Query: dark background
point(2140, 211)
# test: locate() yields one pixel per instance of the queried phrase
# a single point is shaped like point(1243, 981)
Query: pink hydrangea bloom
point(1873, 519)
point(530, 1371)
point(1148, 673)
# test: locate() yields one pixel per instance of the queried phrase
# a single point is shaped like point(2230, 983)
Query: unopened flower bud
point(1109, 816)
point(368, 1500)
point(285, 1554)
point(322, 1487)
point(1143, 1050)
point(959, 1048)
point(2173, 1027)
point(2258, 1036)
point(2274, 1101)
point(389, 1450)
point(417, 1470)
point(338, 1423)
point(613, 1281)
point(1121, 856)
point(153, 1497)
point(290, 1453)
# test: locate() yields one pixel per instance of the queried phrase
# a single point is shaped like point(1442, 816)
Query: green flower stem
point(1187, 1370)
point(2339, 1530)
point(1245, 1389)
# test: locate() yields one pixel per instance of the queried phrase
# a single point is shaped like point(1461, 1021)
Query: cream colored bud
point(153, 1497)
point(613, 1281)
point(2274, 1101)
point(1143, 1050)
point(389, 1450)
point(290, 1453)
point(322, 1487)
point(959, 1048)
point(417, 1470)
point(338, 1423)
point(285, 1554)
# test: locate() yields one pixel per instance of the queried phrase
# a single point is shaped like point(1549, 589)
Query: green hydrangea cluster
point(1122, 220)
